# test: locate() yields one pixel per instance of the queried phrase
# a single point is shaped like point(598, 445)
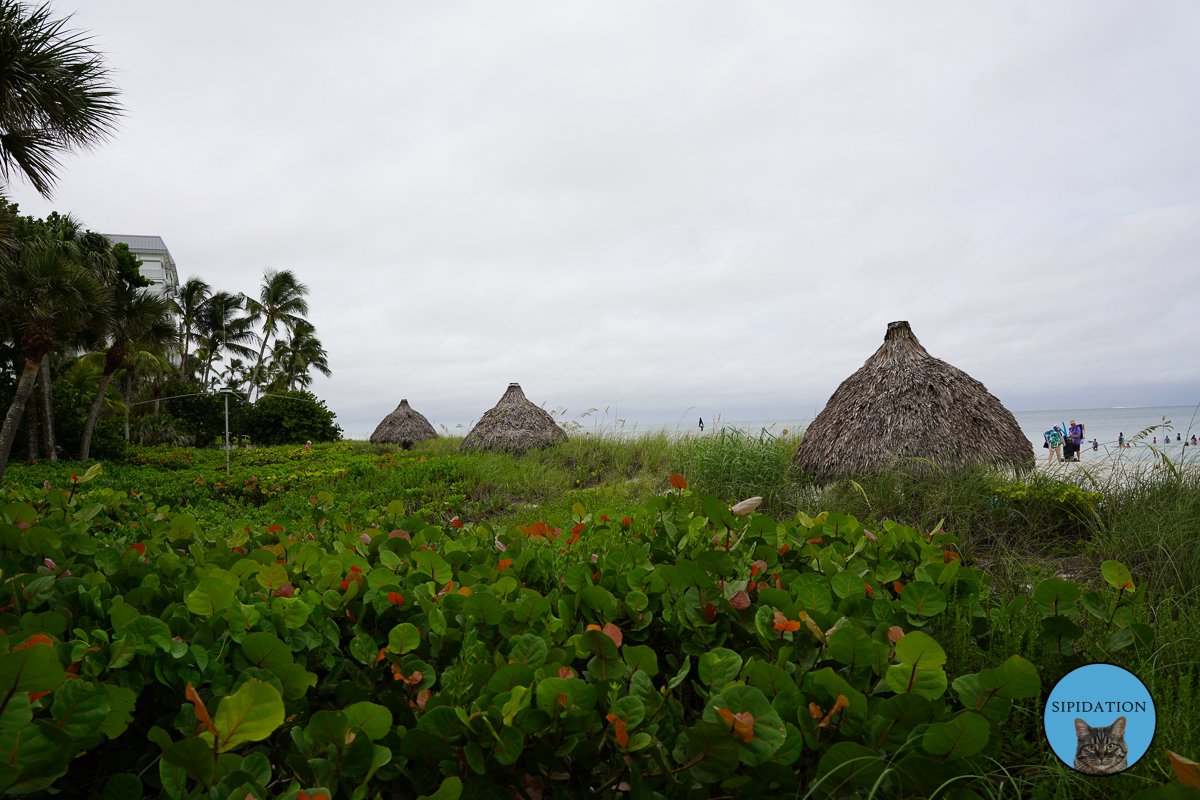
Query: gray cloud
point(674, 205)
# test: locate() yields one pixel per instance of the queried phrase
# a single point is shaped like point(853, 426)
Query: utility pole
point(226, 390)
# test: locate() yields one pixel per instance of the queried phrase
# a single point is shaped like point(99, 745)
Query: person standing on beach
point(1074, 440)
point(1121, 439)
point(1054, 440)
point(1095, 445)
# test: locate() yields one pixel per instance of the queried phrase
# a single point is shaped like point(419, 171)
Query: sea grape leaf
point(33, 669)
point(250, 714)
point(923, 599)
point(964, 735)
point(210, 597)
point(404, 638)
point(719, 666)
point(79, 711)
point(849, 764)
point(266, 650)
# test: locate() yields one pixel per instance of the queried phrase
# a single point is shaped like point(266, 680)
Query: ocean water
point(1102, 424)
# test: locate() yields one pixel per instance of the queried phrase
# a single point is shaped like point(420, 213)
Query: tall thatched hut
point(905, 404)
point(514, 424)
point(403, 427)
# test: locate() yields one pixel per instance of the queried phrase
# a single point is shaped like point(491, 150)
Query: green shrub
point(292, 417)
point(366, 652)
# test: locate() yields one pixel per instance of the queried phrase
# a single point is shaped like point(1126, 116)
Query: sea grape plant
point(656, 655)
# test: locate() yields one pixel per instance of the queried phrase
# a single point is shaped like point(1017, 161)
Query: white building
point(157, 264)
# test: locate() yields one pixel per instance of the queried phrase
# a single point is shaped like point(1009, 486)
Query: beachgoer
point(702, 424)
point(1121, 440)
point(1095, 445)
point(308, 445)
point(1156, 440)
point(1193, 441)
point(1177, 437)
point(1074, 440)
point(1054, 441)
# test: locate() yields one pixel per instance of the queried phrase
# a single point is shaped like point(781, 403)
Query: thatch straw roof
point(403, 426)
point(514, 424)
point(905, 404)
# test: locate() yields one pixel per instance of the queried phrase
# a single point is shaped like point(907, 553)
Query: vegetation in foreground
point(450, 650)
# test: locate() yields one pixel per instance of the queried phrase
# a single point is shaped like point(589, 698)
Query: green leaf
point(923, 599)
point(120, 710)
point(768, 727)
point(451, 789)
point(363, 649)
point(718, 513)
point(483, 609)
point(1116, 575)
point(578, 577)
point(508, 677)
point(271, 576)
point(851, 646)
point(714, 751)
point(528, 649)
point(850, 764)
point(770, 679)
point(34, 669)
point(641, 657)
point(433, 565)
point(210, 597)
point(920, 649)
point(964, 735)
point(846, 584)
point(79, 711)
point(122, 787)
point(173, 778)
point(266, 650)
point(404, 638)
point(249, 715)
point(684, 670)
point(375, 720)
point(1016, 678)
point(1055, 596)
point(719, 666)
point(327, 727)
point(631, 710)
point(195, 757)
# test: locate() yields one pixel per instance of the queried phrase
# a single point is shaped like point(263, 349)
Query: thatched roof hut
point(514, 424)
point(403, 426)
point(905, 404)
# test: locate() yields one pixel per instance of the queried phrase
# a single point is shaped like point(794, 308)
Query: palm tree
point(188, 304)
point(223, 330)
point(138, 317)
point(280, 303)
point(299, 354)
point(42, 295)
point(55, 96)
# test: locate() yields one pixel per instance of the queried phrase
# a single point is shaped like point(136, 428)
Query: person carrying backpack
point(1054, 441)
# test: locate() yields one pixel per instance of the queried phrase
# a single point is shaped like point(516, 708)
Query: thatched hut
point(514, 424)
point(905, 404)
point(403, 427)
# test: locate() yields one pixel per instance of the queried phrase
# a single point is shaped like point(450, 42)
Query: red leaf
point(395, 598)
point(578, 529)
point(740, 601)
point(743, 723)
point(37, 638)
point(201, 712)
point(566, 672)
point(895, 633)
point(784, 624)
point(898, 586)
point(619, 724)
point(678, 482)
point(399, 534)
point(141, 549)
point(504, 564)
point(614, 633)
point(710, 612)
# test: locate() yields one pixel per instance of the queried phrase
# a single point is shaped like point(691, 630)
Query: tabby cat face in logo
point(1100, 751)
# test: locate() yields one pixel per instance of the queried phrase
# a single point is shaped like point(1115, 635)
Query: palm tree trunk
point(128, 391)
point(31, 426)
point(48, 410)
point(89, 427)
point(187, 335)
point(13, 419)
point(258, 364)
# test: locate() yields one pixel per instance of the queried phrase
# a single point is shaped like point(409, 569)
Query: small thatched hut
point(905, 404)
point(514, 424)
point(403, 427)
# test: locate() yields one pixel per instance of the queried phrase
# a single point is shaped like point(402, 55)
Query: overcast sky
point(673, 209)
